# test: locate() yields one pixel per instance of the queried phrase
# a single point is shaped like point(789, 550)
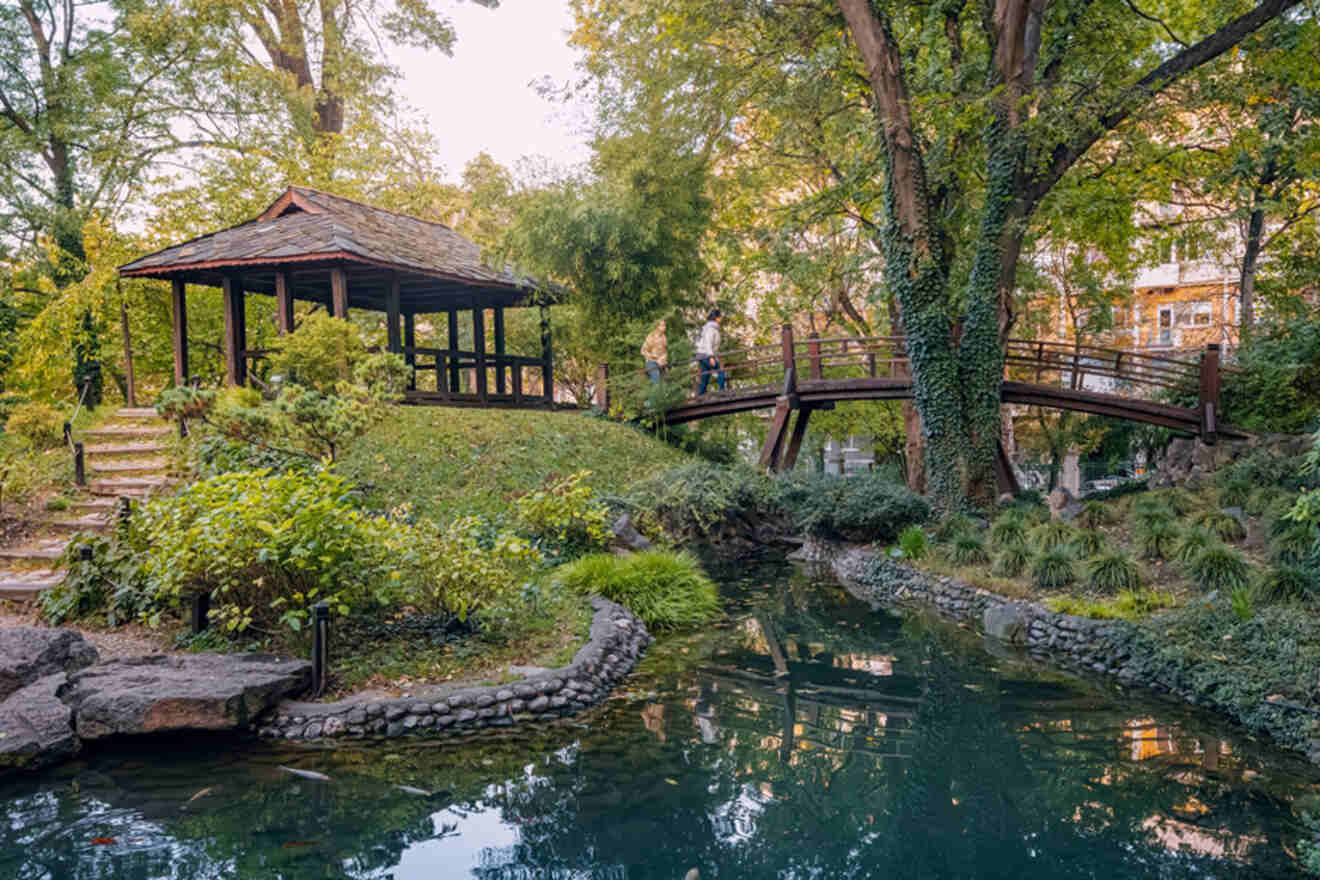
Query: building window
point(1166, 326)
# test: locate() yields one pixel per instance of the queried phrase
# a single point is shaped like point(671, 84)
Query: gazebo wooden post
point(338, 292)
point(500, 386)
point(409, 350)
point(393, 341)
point(547, 358)
point(479, 346)
point(235, 332)
point(179, 300)
point(453, 352)
point(283, 304)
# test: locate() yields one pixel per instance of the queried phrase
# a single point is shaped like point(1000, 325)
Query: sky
point(483, 98)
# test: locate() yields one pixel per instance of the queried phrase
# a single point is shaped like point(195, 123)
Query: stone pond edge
point(1063, 640)
point(617, 642)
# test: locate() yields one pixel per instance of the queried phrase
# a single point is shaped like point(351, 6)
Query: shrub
point(112, 580)
point(1053, 569)
point(321, 353)
point(1157, 542)
point(1260, 500)
point(1234, 492)
point(1094, 515)
point(1284, 583)
point(1219, 567)
point(951, 527)
point(323, 424)
point(1146, 518)
point(185, 403)
point(1191, 543)
point(1223, 526)
point(1008, 530)
point(1293, 543)
point(567, 513)
point(665, 589)
point(1112, 572)
point(862, 507)
point(1090, 542)
point(384, 375)
point(267, 545)
point(36, 425)
point(690, 500)
point(1052, 535)
point(1131, 604)
point(215, 454)
point(968, 550)
point(1011, 561)
point(1240, 600)
point(912, 542)
point(472, 568)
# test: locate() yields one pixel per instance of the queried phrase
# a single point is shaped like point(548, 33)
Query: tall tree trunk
point(1250, 262)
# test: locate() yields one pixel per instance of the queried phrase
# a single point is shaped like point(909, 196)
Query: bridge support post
point(786, 345)
point(790, 457)
point(1005, 476)
point(774, 438)
point(1209, 397)
point(813, 351)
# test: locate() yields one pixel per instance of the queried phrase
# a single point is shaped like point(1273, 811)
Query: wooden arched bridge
point(804, 376)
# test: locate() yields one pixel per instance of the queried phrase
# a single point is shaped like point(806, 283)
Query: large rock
point(190, 692)
point(626, 537)
point(1007, 622)
point(36, 726)
point(28, 653)
point(1063, 505)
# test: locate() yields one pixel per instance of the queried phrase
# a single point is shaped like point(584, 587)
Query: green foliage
point(215, 454)
point(1223, 526)
point(968, 550)
point(1112, 572)
point(1145, 518)
point(692, 499)
point(1294, 543)
point(1276, 389)
point(1158, 541)
point(1264, 469)
point(384, 375)
point(36, 425)
point(1053, 569)
point(322, 424)
point(950, 527)
point(912, 542)
point(1129, 604)
point(112, 581)
point(862, 507)
point(1235, 492)
point(321, 353)
point(469, 570)
point(1219, 567)
point(177, 403)
point(1259, 501)
point(1011, 561)
point(666, 590)
point(267, 546)
point(1240, 602)
point(1008, 530)
point(1090, 542)
point(1052, 535)
point(1190, 544)
point(568, 513)
point(1285, 583)
point(1094, 514)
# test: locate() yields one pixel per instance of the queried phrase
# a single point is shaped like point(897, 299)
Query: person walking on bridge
point(708, 347)
point(655, 351)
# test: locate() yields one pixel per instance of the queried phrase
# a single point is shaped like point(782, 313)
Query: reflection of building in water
point(1178, 835)
point(1147, 740)
point(653, 719)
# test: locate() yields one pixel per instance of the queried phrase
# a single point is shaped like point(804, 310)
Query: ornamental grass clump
point(1008, 530)
point(1094, 515)
point(1178, 500)
point(953, 526)
point(1146, 517)
point(1294, 543)
point(1112, 572)
point(1284, 583)
point(666, 589)
point(1191, 543)
point(1090, 542)
point(968, 550)
point(1011, 561)
point(1235, 492)
point(1158, 541)
point(1052, 535)
point(1219, 567)
point(912, 542)
point(1223, 526)
point(1053, 569)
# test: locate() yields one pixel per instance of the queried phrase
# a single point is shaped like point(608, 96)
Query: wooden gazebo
point(326, 249)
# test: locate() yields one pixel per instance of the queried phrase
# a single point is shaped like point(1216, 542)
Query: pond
point(805, 737)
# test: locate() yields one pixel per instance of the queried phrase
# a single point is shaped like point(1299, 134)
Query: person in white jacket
point(708, 347)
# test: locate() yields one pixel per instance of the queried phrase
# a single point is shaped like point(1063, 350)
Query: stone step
point(134, 487)
point(22, 586)
point(50, 550)
point(137, 412)
point(117, 449)
point(126, 466)
point(116, 432)
point(92, 522)
point(89, 504)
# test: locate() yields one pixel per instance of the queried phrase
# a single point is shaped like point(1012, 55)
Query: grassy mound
point(454, 462)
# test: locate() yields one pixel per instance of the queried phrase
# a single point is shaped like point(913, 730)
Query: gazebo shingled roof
point(317, 247)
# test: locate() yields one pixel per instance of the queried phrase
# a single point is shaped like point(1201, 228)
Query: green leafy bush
point(1285, 583)
point(383, 375)
point(1132, 604)
point(1223, 526)
point(1219, 567)
point(1112, 572)
point(667, 590)
point(215, 454)
point(1053, 569)
point(952, 526)
point(177, 403)
point(1158, 541)
point(112, 581)
point(861, 507)
point(568, 513)
point(1090, 542)
point(1293, 543)
point(1240, 600)
point(1094, 514)
point(1235, 492)
point(1191, 543)
point(1008, 530)
point(968, 550)
point(912, 542)
point(693, 499)
point(1145, 518)
point(321, 353)
point(472, 569)
point(1011, 561)
point(1052, 535)
point(266, 546)
point(36, 425)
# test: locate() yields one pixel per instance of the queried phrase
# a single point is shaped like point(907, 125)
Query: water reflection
point(809, 739)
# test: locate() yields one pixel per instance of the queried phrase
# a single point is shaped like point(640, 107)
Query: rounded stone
point(410, 722)
point(440, 708)
point(419, 708)
point(444, 720)
point(466, 715)
point(395, 712)
point(504, 696)
point(333, 726)
point(485, 700)
point(540, 704)
point(313, 730)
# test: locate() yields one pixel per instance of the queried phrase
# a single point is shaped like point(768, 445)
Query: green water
point(807, 737)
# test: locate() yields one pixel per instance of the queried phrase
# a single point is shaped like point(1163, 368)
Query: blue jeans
point(710, 365)
point(653, 370)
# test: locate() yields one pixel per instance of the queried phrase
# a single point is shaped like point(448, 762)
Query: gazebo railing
point(450, 367)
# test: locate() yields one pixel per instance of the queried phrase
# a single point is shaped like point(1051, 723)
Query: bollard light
point(320, 647)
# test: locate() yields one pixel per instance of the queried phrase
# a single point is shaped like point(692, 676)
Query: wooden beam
point(393, 343)
point(283, 304)
point(1004, 473)
point(499, 350)
point(130, 382)
point(338, 293)
point(547, 358)
point(774, 438)
point(790, 457)
point(479, 347)
point(179, 301)
point(453, 346)
point(410, 342)
point(235, 331)
point(1209, 397)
